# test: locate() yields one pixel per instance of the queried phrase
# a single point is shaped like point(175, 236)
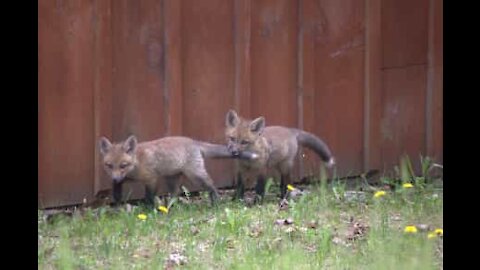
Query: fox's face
point(242, 134)
point(118, 159)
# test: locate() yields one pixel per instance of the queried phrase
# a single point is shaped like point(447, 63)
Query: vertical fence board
point(138, 70)
point(209, 74)
point(65, 115)
point(339, 69)
point(405, 44)
point(274, 62)
point(373, 85)
point(102, 86)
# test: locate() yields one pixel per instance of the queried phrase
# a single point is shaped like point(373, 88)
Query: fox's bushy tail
point(311, 141)
point(211, 150)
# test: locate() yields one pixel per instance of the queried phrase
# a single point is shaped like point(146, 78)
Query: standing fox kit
point(168, 158)
point(276, 147)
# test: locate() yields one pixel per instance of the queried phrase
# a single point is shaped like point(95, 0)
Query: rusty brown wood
point(437, 104)
point(339, 80)
point(434, 108)
point(273, 61)
point(308, 23)
point(405, 43)
point(173, 88)
point(404, 37)
point(242, 34)
point(300, 80)
point(65, 108)
point(102, 59)
point(208, 75)
point(373, 86)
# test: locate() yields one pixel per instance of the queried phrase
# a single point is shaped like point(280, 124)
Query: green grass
point(233, 236)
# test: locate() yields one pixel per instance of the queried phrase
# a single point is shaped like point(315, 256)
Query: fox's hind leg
point(203, 177)
point(173, 183)
point(286, 177)
point(150, 193)
point(285, 181)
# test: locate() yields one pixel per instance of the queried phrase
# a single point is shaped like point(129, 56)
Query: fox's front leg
point(260, 188)
point(117, 193)
point(240, 191)
point(150, 196)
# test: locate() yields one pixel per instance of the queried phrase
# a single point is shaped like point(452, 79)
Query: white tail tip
point(331, 163)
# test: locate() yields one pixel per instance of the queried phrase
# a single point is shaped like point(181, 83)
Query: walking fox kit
point(168, 158)
point(275, 146)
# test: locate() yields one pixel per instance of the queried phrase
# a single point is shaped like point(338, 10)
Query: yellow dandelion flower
point(431, 235)
point(439, 231)
point(407, 185)
point(142, 216)
point(410, 229)
point(379, 194)
point(163, 209)
point(290, 187)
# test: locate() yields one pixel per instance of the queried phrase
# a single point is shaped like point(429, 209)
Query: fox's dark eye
point(109, 165)
point(244, 142)
point(123, 165)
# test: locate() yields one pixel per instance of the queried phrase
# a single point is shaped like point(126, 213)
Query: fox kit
point(275, 146)
point(168, 157)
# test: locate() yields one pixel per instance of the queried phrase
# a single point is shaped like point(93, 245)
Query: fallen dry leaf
point(338, 241)
point(290, 229)
point(354, 196)
point(396, 217)
point(194, 230)
point(142, 253)
point(230, 243)
point(202, 247)
point(255, 230)
point(295, 193)
point(312, 224)
point(283, 205)
point(311, 248)
point(287, 221)
point(175, 259)
point(279, 221)
point(184, 200)
point(424, 227)
point(356, 230)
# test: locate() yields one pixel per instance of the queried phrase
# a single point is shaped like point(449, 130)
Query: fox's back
point(168, 156)
point(282, 143)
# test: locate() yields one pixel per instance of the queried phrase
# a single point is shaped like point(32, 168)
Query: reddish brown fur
point(147, 162)
point(276, 146)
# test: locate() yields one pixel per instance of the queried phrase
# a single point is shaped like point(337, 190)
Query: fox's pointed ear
point(257, 125)
point(130, 145)
point(232, 119)
point(104, 145)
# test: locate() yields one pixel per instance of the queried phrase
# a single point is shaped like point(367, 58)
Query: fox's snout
point(117, 177)
point(234, 149)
